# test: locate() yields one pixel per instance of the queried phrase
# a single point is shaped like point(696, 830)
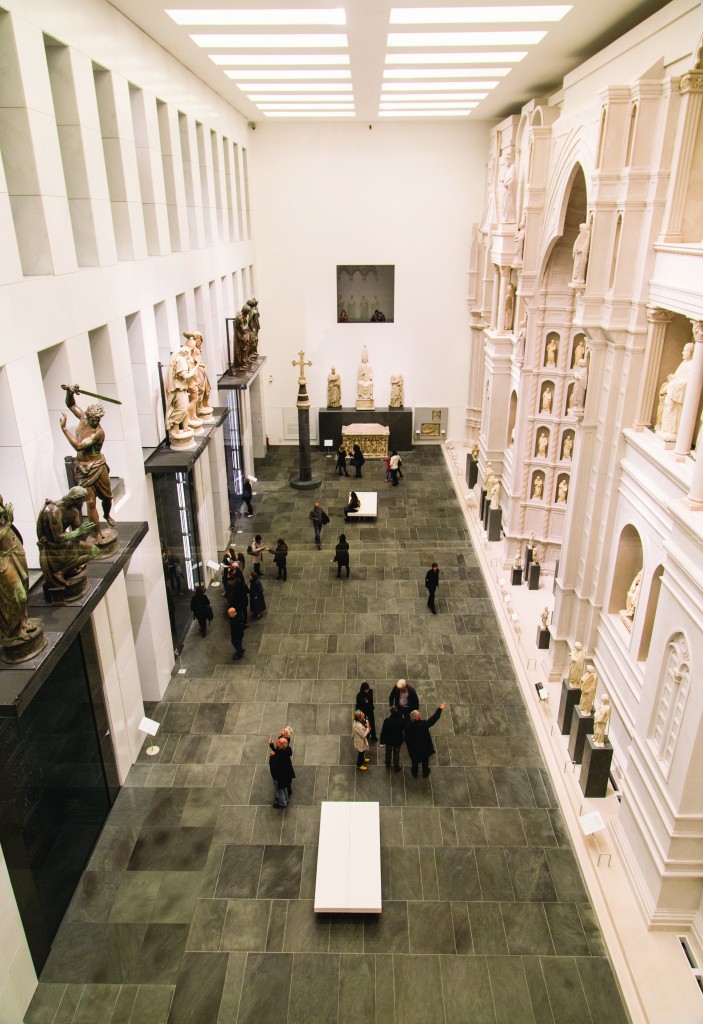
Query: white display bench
point(349, 859)
point(368, 507)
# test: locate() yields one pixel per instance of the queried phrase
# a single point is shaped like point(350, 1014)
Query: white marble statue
point(547, 396)
point(578, 395)
point(508, 190)
point(567, 447)
point(579, 351)
point(364, 391)
point(495, 495)
point(203, 410)
point(580, 254)
point(562, 492)
point(544, 619)
point(517, 561)
point(589, 682)
point(178, 380)
point(520, 240)
point(509, 308)
point(397, 391)
point(334, 390)
point(660, 407)
point(601, 720)
point(627, 614)
point(489, 478)
point(578, 657)
point(675, 394)
point(551, 353)
point(537, 487)
point(542, 444)
point(520, 340)
point(474, 451)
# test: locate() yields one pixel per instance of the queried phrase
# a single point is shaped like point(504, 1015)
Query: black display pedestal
point(595, 768)
point(305, 481)
point(495, 521)
point(533, 576)
point(528, 561)
point(482, 503)
point(516, 576)
point(570, 696)
point(471, 472)
point(543, 638)
point(581, 727)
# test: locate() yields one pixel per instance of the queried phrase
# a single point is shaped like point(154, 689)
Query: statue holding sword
point(91, 468)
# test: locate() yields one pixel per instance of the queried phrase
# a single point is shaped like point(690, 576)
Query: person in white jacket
point(360, 733)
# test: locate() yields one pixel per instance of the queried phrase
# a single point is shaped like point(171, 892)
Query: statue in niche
point(63, 553)
point(397, 391)
point(569, 397)
point(567, 447)
point(675, 394)
point(551, 352)
point(20, 637)
point(580, 254)
point(578, 395)
point(334, 390)
point(578, 658)
point(660, 407)
point(627, 614)
point(364, 392)
point(351, 308)
point(489, 478)
point(241, 339)
point(562, 492)
point(254, 321)
point(544, 619)
point(195, 343)
point(177, 384)
point(520, 341)
point(91, 468)
point(474, 451)
point(547, 396)
point(520, 240)
point(601, 720)
point(542, 444)
point(508, 190)
point(537, 487)
point(509, 307)
point(364, 308)
point(589, 681)
point(579, 351)
point(495, 495)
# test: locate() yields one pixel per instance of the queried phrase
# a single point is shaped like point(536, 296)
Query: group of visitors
point(404, 724)
point(356, 458)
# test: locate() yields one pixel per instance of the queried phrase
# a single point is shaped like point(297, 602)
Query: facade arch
point(629, 563)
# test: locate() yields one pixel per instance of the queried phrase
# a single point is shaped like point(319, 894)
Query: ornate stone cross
point(303, 401)
point(302, 363)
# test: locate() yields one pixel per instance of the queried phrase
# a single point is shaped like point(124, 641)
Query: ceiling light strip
point(259, 18)
point(278, 59)
point(291, 98)
point(264, 87)
point(423, 113)
point(428, 39)
point(477, 15)
point(254, 77)
point(474, 57)
point(456, 73)
point(309, 113)
point(274, 40)
point(414, 97)
point(401, 87)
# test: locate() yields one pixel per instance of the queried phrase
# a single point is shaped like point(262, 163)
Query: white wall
point(328, 194)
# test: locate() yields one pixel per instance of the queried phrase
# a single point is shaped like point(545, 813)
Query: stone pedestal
point(595, 768)
point(471, 472)
point(570, 696)
point(516, 576)
point(486, 510)
point(482, 503)
point(543, 638)
point(495, 522)
point(528, 561)
point(533, 577)
point(306, 481)
point(581, 727)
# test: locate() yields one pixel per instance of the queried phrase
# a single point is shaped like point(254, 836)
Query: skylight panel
point(277, 59)
point(476, 15)
point(494, 57)
point(274, 40)
point(260, 18)
point(309, 113)
point(422, 96)
point(456, 73)
point(312, 87)
point(245, 75)
point(297, 98)
point(401, 87)
point(464, 38)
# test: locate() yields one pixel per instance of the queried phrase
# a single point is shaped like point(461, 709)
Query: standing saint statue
point(578, 657)
point(547, 395)
point(397, 391)
point(334, 390)
point(589, 682)
point(364, 392)
point(675, 394)
point(542, 444)
point(551, 353)
point(627, 614)
point(520, 240)
point(537, 486)
point(91, 468)
point(562, 492)
point(600, 721)
point(509, 311)
point(195, 343)
point(62, 551)
point(578, 395)
point(520, 340)
point(567, 447)
point(580, 254)
point(508, 189)
point(254, 327)
point(178, 379)
point(20, 637)
point(241, 338)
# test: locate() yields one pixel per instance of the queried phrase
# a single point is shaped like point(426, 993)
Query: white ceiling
point(453, 68)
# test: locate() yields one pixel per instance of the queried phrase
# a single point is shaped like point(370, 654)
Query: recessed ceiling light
point(245, 75)
point(423, 113)
point(236, 60)
point(423, 105)
point(409, 73)
point(297, 98)
point(402, 87)
point(421, 96)
point(276, 40)
point(309, 113)
point(306, 106)
point(475, 15)
point(321, 16)
point(462, 38)
point(504, 57)
point(263, 87)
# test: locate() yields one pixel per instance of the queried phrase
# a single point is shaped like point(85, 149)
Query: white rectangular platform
point(349, 859)
point(368, 509)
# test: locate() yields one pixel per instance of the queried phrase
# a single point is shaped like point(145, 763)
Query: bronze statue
point(242, 338)
point(20, 636)
point(62, 551)
point(91, 468)
point(254, 327)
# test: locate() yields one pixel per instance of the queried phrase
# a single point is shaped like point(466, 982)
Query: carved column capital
point(692, 81)
point(656, 315)
point(697, 326)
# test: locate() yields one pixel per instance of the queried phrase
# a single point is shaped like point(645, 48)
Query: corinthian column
point(691, 89)
point(657, 319)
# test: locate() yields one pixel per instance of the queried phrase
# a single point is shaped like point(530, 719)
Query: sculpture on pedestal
point(589, 682)
point(547, 396)
point(537, 487)
point(254, 322)
point(364, 399)
point(20, 637)
point(91, 468)
point(474, 451)
point(334, 390)
point(551, 352)
point(241, 339)
point(578, 395)
point(495, 495)
point(194, 421)
point(489, 478)
point(517, 561)
point(178, 378)
point(305, 481)
point(195, 343)
point(544, 618)
point(576, 664)
point(660, 407)
point(601, 721)
point(397, 391)
point(62, 551)
point(627, 614)
point(579, 351)
point(675, 394)
point(580, 254)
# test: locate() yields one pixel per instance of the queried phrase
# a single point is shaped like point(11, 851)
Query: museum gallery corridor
point(197, 902)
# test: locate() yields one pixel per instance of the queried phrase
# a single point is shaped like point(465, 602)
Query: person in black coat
point(431, 584)
point(341, 556)
point(364, 702)
point(236, 630)
point(352, 506)
point(256, 596)
point(404, 698)
point(358, 459)
point(393, 737)
point(237, 592)
point(246, 497)
point(341, 466)
point(200, 607)
point(419, 740)
point(280, 559)
point(281, 768)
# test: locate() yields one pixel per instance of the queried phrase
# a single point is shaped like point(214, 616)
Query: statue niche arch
point(512, 415)
point(629, 561)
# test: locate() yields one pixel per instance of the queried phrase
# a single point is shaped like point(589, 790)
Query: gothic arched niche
point(628, 563)
point(578, 348)
point(670, 704)
point(511, 420)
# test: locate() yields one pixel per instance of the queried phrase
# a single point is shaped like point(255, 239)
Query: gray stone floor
point(196, 905)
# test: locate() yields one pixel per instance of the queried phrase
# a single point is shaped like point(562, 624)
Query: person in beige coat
point(360, 733)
